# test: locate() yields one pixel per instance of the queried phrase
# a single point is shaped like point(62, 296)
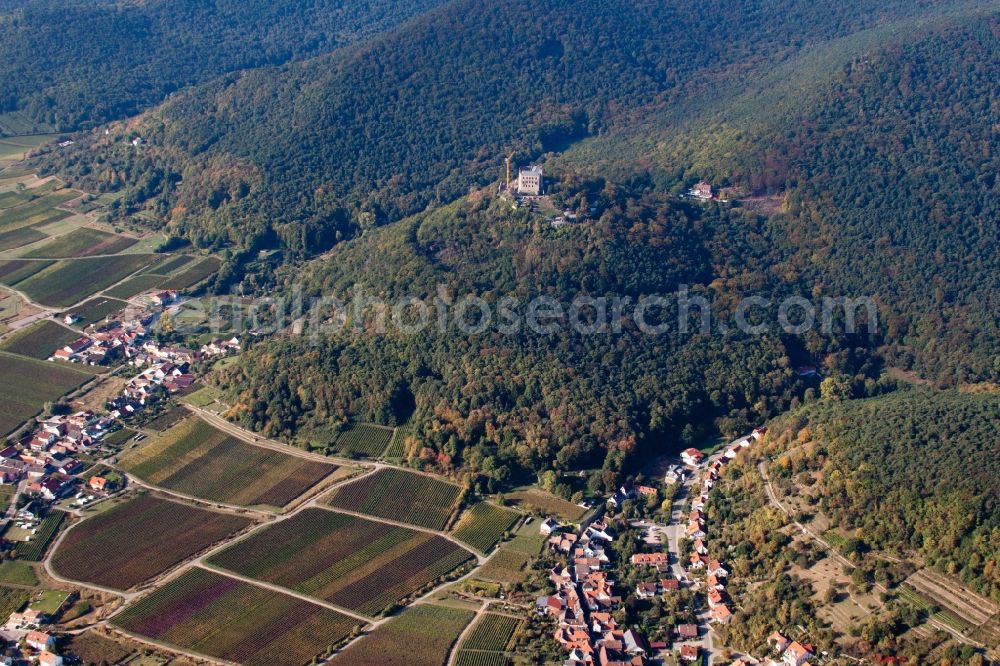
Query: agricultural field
point(193, 275)
point(34, 550)
point(537, 499)
point(96, 309)
point(355, 563)
point(36, 211)
point(93, 648)
point(12, 599)
point(39, 340)
point(491, 634)
point(194, 458)
point(139, 539)
point(82, 242)
point(16, 572)
point(229, 619)
point(399, 495)
point(363, 439)
point(135, 285)
point(433, 628)
point(15, 270)
point(168, 265)
point(28, 384)
point(18, 237)
point(396, 449)
point(72, 280)
point(504, 566)
point(168, 419)
point(474, 658)
point(484, 524)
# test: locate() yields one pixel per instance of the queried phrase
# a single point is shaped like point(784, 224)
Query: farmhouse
point(39, 640)
point(690, 652)
point(702, 190)
point(692, 457)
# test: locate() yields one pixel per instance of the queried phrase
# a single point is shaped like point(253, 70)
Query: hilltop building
point(530, 181)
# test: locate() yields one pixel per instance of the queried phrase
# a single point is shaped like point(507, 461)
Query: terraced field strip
point(28, 384)
point(358, 564)
point(973, 608)
point(195, 459)
point(924, 603)
point(422, 635)
point(40, 340)
point(484, 524)
point(83, 242)
point(396, 494)
point(138, 540)
point(229, 619)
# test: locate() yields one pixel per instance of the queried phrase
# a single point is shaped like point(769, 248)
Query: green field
point(505, 566)
point(29, 384)
point(399, 495)
point(361, 439)
point(352, 562)
point(194, 458)
point(139, 539)
point(72, 280)
point(484, 524)
point(82, 242)
point(421, 636)
point(546, 503)
point(39, 340)
point(96, 309)
point(221, 617)
point(16, 572)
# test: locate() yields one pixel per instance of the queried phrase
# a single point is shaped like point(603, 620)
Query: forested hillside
point(79, 63)
point(913, 471)
point(506, 404)
point(302, 156)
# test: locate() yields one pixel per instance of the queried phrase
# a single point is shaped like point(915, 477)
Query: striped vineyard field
point(493, 633)
point(421, 636)
point(363, 439)
point(139, 539)
point(194, 458)
point(484, 524)
point(359, 564)
point(399, 495)
point(475, 658)
point(228, 619)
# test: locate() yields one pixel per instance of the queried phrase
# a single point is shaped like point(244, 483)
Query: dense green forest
point(506, 404)
point(912, 471)
point(77, 64)
point(302, 156)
